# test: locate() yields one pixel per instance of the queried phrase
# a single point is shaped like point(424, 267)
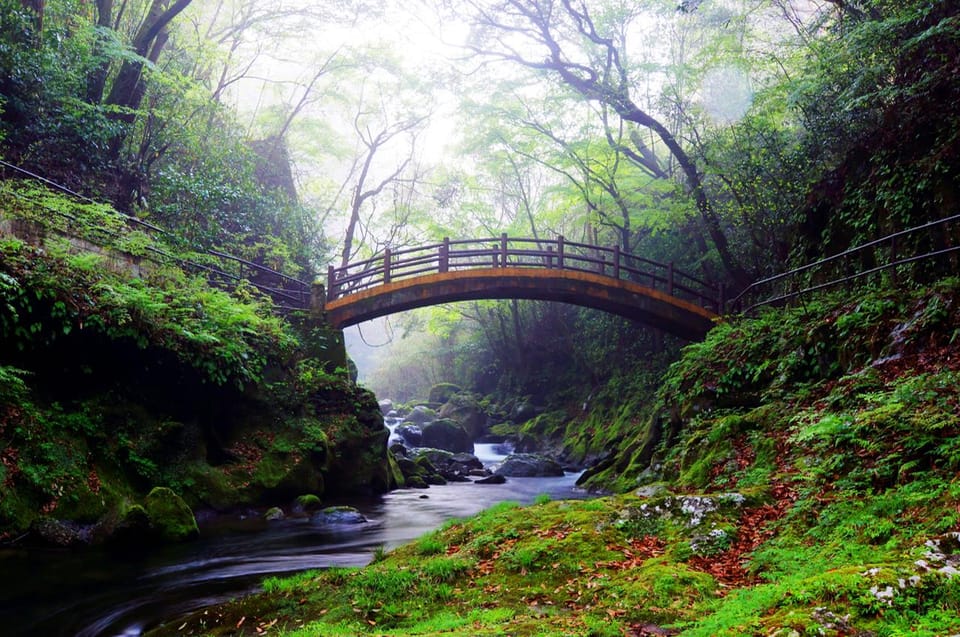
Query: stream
point(97, 592)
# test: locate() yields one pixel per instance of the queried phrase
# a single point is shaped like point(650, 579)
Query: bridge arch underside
point(624, 298)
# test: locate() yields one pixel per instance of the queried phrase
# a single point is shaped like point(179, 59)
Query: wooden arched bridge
point(498, 268)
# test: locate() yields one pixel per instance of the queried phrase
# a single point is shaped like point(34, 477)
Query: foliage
point(895, 62)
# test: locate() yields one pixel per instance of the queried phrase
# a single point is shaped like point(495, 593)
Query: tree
point(564, 40)
point(366, 187)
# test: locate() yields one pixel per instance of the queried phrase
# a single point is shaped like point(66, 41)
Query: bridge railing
point(222, 270)
point(922, 252)
point(512, 252)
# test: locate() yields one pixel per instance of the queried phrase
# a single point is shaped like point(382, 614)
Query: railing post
point(670, 278)
point(503, 250)
point(317, 300)
point(616, 261)
point(549, 257)
point(601, 264)
point(386, 265)
point(331, 284)
point(496, 263)
point(560, 251)
point(444, 255)
point(893, 259)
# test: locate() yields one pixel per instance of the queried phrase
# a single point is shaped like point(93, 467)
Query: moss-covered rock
point(442, 392)
point(448, 435)
point(397, 480)
point(307, 503)
point(465, 408)
point(340, 515)
point(170, 517)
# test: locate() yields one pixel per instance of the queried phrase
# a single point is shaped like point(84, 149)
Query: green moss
point(170, 517)
point(309, 502)
point(442, 392)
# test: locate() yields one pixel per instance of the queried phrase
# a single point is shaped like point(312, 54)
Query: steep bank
point(111, 385)
point(799, 476)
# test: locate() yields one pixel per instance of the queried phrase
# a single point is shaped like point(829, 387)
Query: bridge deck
point(624, 298)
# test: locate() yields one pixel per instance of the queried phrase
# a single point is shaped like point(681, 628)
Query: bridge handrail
point(517, 252)
point(890, 243)
point(299, 296)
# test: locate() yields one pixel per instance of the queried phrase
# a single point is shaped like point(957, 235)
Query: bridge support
point(322, 340)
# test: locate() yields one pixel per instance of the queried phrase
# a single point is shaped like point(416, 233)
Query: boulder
point(524, 411)
point(340, 515)
point(465, 409)
point(274, 514)
point(397, 479)
point(132, 524)
point(448, 435)
point(528, 465)
point(442, 392)
point(416, 482)
point(170, 517)
point(494, 479)
point(306, 503)
point(410, 433)
point(453, 467)
point(386, 406)
point(420, 415)
point(61, 533)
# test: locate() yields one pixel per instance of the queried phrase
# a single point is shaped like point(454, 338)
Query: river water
point(96, 592)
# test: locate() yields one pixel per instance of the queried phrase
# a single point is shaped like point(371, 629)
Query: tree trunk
point(97, 81)
point(37, 7)
point(129, 88)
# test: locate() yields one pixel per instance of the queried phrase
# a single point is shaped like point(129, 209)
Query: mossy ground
point(808, 465)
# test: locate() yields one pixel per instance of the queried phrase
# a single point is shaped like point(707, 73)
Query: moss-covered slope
point(802, 479)
point(112, 384)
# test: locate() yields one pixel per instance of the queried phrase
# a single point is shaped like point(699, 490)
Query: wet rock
point(524, 411)
point(133, 524)
point(170, 517)
point(416, 482)
point(274, 514)
point(528, 465)
point(386, 406)
point(61, 533)
point(340, 515)
point(454, 467)
point(492, 479)
point(466, 461)
point(447, 435)
point(306, 503)
point(411, 434)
